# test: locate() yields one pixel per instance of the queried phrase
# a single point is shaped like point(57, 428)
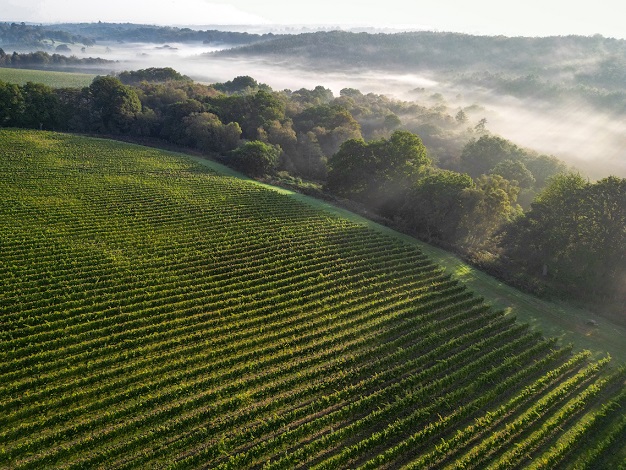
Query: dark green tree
point(435, 206)
point(115, 104)
point(331, 124)
point(488, 206)
point(352, 168)
point(378, 172)
point(255, 158)
point(544, 167)
point(11, 103)
point(206, 132)
point(514, 170)
point(173, 117)
point(40, 107)
point(574, 237)
point(480, 156)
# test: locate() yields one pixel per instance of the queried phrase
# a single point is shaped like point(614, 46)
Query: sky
point(490, 17)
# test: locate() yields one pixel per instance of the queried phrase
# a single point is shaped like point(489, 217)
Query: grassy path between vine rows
point(553, 319)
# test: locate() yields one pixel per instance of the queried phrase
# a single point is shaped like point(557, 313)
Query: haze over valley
point(560, 121)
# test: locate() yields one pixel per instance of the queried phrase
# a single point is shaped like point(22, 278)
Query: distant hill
point(22, 37)
point(443, 51)
point(548, 67)
point(129, 32)
point(34, 35)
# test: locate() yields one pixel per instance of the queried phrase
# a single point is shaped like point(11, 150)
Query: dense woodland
point(33, 35)
point(43, 60)
point(442, 177)
point(550, 68)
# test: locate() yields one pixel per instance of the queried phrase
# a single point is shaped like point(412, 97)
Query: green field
point(157, 313)
point(554, 319)
point(47, 77)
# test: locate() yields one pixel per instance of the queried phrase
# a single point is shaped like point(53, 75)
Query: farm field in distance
point(50, 78)
point(157, 313)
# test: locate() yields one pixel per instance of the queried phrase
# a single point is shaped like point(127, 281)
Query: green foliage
point(480, 156)
point(392, 122)
point(488, 206)
point(514, 170)
point(255, 158)
point(351, 169)
point(40, 107)
point(331, 124)
point(252, 111)
point(206, 132)
point(11, 103)
point(152, 74)
point(241, 85)
point(544, 167)
point(377, 172)
point(576, 231)
point(116, 104)
point(41, 59)
point(435, 206)
point(316, 97)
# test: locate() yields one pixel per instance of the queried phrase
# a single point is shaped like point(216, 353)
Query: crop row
point(156, 314)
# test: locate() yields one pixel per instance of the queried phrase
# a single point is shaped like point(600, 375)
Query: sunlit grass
point(47, 77)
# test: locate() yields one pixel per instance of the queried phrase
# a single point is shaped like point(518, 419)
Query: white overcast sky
point(512, 18)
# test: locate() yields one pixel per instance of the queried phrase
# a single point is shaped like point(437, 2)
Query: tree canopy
point(116, 103)
point(575, 237)
point(379, 171)
point(255, 158)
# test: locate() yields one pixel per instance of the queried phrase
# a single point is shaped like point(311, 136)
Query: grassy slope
point(566, 322)
point(47, 77)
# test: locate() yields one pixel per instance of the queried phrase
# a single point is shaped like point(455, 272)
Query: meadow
point(47, 77)
point(157, 312)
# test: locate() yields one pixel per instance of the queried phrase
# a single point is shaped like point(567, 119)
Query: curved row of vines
point(156, 314)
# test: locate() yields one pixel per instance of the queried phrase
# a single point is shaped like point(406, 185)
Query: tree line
point(430, 171)
point(42, 60)
point(89, 34)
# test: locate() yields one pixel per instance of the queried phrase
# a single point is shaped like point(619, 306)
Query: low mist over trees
point(558, 68)
point(423, 169)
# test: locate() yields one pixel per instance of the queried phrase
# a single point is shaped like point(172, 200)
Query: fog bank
point(593, 142)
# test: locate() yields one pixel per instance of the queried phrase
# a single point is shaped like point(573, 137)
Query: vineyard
point(157, 314)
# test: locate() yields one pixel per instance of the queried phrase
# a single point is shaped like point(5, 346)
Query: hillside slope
point(157, 313)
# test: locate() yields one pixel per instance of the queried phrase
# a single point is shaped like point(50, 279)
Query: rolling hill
point(157, 312)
